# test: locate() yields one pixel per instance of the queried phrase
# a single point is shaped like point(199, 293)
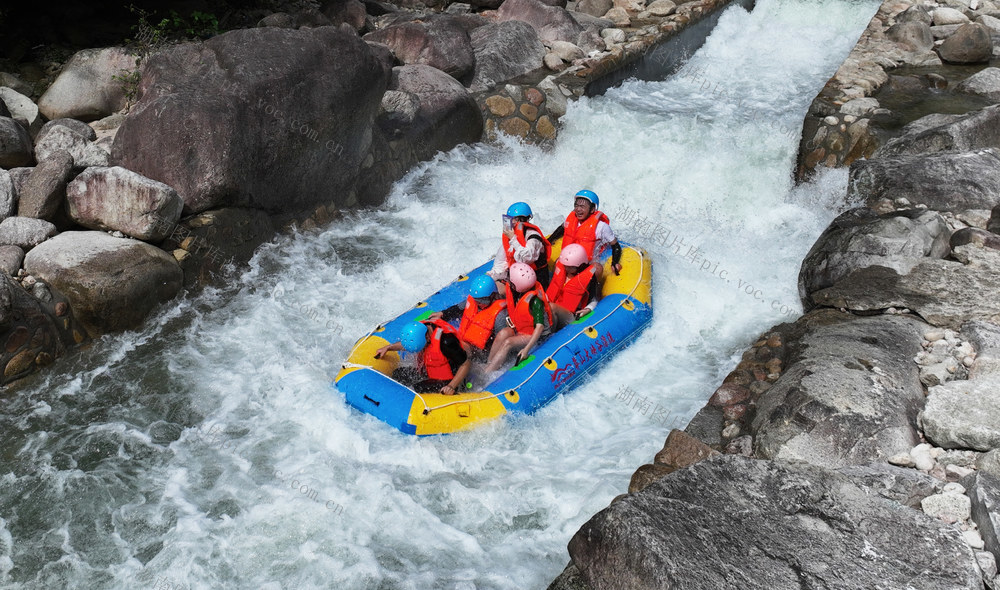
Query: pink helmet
point(573, 256)
point(523, 276)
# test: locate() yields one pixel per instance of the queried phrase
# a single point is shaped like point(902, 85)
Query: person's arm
point(388, 347)
point(454, 312)
point(616, 256)
point(530, 251)
point(456, 383)
point(607, 235)
point(537, 309)
point(592, 291)
point(457, 353)
point(526, 351)
point(499, 270)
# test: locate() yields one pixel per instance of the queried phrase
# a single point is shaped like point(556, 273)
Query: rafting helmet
point(519, 209)
point(482, 286)
point(413, 337)
point(573, 256)
point(590, 196)
point(522, 276)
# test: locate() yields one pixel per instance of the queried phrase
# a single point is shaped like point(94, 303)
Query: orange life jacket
point(584, 233)
point(543, 259)
point(572, 293)
point(520, 313)
point(477, 324)
point(435, 362)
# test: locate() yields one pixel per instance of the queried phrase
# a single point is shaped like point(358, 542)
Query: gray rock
point(86, 88)
point(976, 236)
point(850, 392)
point(45, 190)
point(399, 108)
point(63, 138)
point(905, 486)
point(989, 462)
point(943, 31)
point(438, 42)
point(25, 232)
point(14, 83)
point(566, 51)
point(859, 238)
point(945, 293)
point(859, 106)
point(732, 522)
point(81, 128)
point(118, 199)
point(985, 82)
point(552, 23)
point(228, 122)
point(942, 181)
point(914, 14)
point(661, 8)
point(594, 7)
point(11, 258)
point(22, 109)
point(569, 579)
point(948, 16)
point(912, 36)
point(963, 414)
point(112, 283)
point(19, 176)
point(448, 115)
point(984, 490)
point(15, 144)
point(8, 195)
point(948, 506)
point(505, 52)
point(970, 44)
point(946, 133)
point(990, 22)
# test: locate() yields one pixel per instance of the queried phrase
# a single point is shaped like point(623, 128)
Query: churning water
point(209, 451)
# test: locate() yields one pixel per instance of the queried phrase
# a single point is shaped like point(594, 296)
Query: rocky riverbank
point(134, 174)
point(857, 446)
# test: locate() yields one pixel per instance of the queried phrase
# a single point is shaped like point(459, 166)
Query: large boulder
point(118, 199)
point(447, 114)
point(946, 133)
point(984, 490)
point(859, 238)
point(963, 414)
point(61, 138)
point(112, 283)
point(944, 182)
point(552, 23)
point(22, 109)
point(970, 44)
point(86, 88)
point(15, 144)
point(25, 232)
point(985, 82)
point(733, 522)
point(8, 195)
point(45, 190)
point(505, 52)
point(945, 293)
point(229, 122)
point(437, 42)
point(912, 35)
point(849, 394)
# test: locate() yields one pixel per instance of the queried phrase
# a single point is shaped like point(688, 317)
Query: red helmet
point(573, 256)
point(522, 276)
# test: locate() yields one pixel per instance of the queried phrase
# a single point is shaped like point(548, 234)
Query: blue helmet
point(483, 286)
point(519, 209)
point(590, 196)
point(413, 337)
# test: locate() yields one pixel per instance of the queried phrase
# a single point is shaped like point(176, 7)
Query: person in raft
point(443, 361)
point(588, 226)
point(530, 317)
point(522, 242)
point(483, 315)
point(574, 288)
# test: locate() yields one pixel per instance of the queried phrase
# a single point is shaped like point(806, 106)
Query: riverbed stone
point(859, 238)
point(117, 199)
point(984, 492)
point(505, 51)
point(734, 522)
point(8, 195)
point(953, 181)
point(112, 283)
point(15, 144)
point(964, 414)
point(85, 88)
point(22, 109)
point(11, 257)
point(912, 36)
point(25, 232)
point(985, 82)
point(594, 7)
point(970, 44)
point(62, 138)
point(552, 23)
point(944, 15)
point(45, 189)
point(946, 293)
point(437, 41)
point(849, 394)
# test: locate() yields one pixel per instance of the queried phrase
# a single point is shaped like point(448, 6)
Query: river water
point(209, 451)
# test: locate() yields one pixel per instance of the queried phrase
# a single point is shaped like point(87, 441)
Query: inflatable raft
point(557, 364)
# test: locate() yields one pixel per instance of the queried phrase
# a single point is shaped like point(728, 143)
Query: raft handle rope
point(428, 409)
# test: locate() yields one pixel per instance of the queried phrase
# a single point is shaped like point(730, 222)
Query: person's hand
point(525, 353)
point(448, 390)
point(436, 315)
point(509, 233)
point(617, 268)
point(380, 352)
point(580, 313)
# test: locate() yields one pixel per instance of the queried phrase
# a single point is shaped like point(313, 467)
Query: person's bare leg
point(510, 344)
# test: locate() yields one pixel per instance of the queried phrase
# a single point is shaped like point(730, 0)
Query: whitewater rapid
point(208, 450)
